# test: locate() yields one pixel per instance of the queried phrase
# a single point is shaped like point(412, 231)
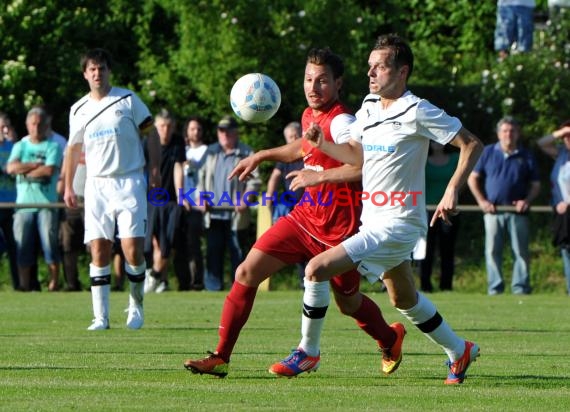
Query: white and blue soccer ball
point(255, 97)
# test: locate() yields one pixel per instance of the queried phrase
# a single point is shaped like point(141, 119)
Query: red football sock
point(235, 313)
point(369, 318)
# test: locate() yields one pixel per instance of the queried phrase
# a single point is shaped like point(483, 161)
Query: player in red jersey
point(316, 224)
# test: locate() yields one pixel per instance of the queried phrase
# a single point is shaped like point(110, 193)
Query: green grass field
point(48, 361)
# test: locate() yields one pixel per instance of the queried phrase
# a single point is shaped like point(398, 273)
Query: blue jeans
point(514, 24)
point(219, 237)
point(496, 226)
point(566, 261)
point(27, 226)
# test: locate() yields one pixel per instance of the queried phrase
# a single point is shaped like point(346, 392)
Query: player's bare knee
point(241, 273)
point(247, 275)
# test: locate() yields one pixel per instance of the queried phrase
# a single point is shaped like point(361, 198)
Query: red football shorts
point(288, 242)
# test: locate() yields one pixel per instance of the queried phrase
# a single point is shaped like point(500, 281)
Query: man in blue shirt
point(506, 175)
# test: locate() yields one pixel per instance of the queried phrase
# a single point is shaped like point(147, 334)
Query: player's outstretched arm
point(344, 173)
point(470, 148)
point(287, 153)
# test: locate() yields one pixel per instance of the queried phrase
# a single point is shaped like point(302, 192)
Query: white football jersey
point(109, 130)
point(395, 142)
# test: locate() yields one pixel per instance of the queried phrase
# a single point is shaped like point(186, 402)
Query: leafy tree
point(42, 42)
point(186, 55)
point(533, 86)
point(208, 45)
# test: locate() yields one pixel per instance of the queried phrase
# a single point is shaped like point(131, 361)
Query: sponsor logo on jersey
point(316, 168)
point(378, 148)
point(103, 133)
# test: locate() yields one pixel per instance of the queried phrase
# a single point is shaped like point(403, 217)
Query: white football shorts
point(115, 207)
point(379, 249)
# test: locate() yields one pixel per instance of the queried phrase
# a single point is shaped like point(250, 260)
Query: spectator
point(515, 26)
point(440, 166)
point(62, 143)
point(71, 226)
point(225, 228)
point(280, 179)
point(36, 162)
point(506, 175)
point(560, 183)
point(7, 128)
point(8, 195)
point(189, 260)
point(53, 135)
point(163, 211)
point(71, 236)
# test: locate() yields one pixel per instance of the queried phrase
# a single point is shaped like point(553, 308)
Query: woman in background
point(440, 166)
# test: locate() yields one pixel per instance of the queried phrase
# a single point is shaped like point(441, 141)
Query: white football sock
point(426, 318)
point(100, 289)
point(315, 303)
point(137, 273)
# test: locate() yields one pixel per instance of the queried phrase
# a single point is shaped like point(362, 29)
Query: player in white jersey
point(390, 140)
point(108, 124)
point(394, 180)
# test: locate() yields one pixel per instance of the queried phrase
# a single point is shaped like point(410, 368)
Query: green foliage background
point(185, 55)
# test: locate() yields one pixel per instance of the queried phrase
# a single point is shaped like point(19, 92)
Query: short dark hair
point(98, 55)
point(325, 57)
point(403, 55)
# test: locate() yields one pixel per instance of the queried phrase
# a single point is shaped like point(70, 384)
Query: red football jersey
point(320, 212)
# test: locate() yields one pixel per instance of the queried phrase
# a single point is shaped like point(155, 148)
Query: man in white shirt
point(108, 123)
point(189, 261)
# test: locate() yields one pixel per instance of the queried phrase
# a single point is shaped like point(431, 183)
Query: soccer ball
point(255, 97)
